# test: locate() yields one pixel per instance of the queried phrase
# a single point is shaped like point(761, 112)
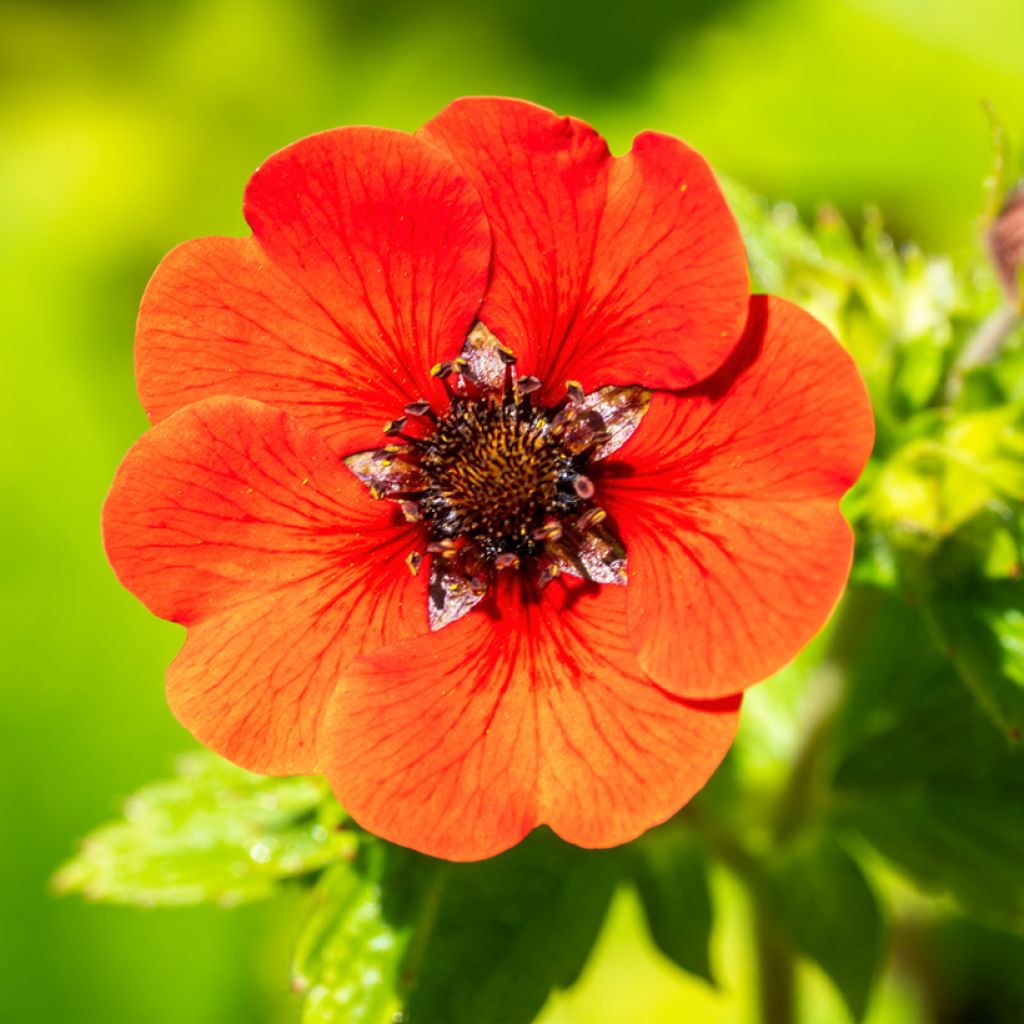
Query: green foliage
point(670, 870)
point(213, 832)
point(348, 961)
point(397, 936)
point(824, 903)
point(924, 774)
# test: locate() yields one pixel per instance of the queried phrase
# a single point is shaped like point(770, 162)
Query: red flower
point(604, 569)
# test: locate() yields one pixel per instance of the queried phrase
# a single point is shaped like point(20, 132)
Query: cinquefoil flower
point(479, 481)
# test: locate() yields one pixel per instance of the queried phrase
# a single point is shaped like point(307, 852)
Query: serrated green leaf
point(213, 832)
point(825, 904)
point(926, 777)
point(397, 936)
point(670, 870)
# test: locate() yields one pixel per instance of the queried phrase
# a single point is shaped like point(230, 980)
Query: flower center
point(499, 483)
point(496, 471)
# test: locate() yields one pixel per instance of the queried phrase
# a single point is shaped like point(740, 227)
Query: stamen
point(551, 530)
point(510, 383)
point(498, 485)
point(444, 548)
point(443, 371)
point(584, 487)
point(548, 573)
point(591, 517)
point(421, 407)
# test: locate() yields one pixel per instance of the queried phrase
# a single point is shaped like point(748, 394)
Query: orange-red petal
point(606, 271)
point(234, 519)
point(370, 258)
point(726, 499)
point(530, 710)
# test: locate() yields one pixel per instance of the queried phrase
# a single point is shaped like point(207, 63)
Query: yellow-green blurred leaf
point(212, 832)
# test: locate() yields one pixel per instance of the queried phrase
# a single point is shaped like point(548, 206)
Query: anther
point(583, 486)
point(506, 560)
point(386, 454)
point(591, 517)
point(414, 561)
point(563, 419)
point(506, 355)
point(548, 573)
point(443, 371)
point(420, 408)
point(444, 548)
point(574, 389)
point(550, 531)
point(527, 385)
point(394, 427)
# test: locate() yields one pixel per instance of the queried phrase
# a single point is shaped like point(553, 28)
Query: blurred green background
point(125, 128)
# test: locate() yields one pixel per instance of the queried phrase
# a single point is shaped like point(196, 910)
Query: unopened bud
point(1006, 244)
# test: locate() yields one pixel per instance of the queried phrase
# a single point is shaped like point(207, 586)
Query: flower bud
point(1006, 244)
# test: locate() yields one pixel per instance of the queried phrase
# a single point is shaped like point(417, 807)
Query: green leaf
point(826, 906)
point(213, 832)
point(509, 930)
point(983, 632)
point(401, 934)
point(926, 777)
point(949, 471)
point(670, 870)
point(971, 596)
point(348, 960)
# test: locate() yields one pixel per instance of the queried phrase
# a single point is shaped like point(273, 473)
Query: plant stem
point(982, 347)
point(776, 969)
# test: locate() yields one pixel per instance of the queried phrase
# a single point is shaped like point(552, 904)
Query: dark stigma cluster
point(498, 482)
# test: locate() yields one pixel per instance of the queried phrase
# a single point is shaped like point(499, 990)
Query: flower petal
point(233, 519)
point(369, 262)
point(726, 500)
point(606, 271)
point(459, 743)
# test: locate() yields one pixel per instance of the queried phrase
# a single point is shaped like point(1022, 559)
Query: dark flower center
point(496, 471)
point(500, 483)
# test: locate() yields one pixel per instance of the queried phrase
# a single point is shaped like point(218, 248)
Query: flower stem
point(776, 970)
point(983, 346)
